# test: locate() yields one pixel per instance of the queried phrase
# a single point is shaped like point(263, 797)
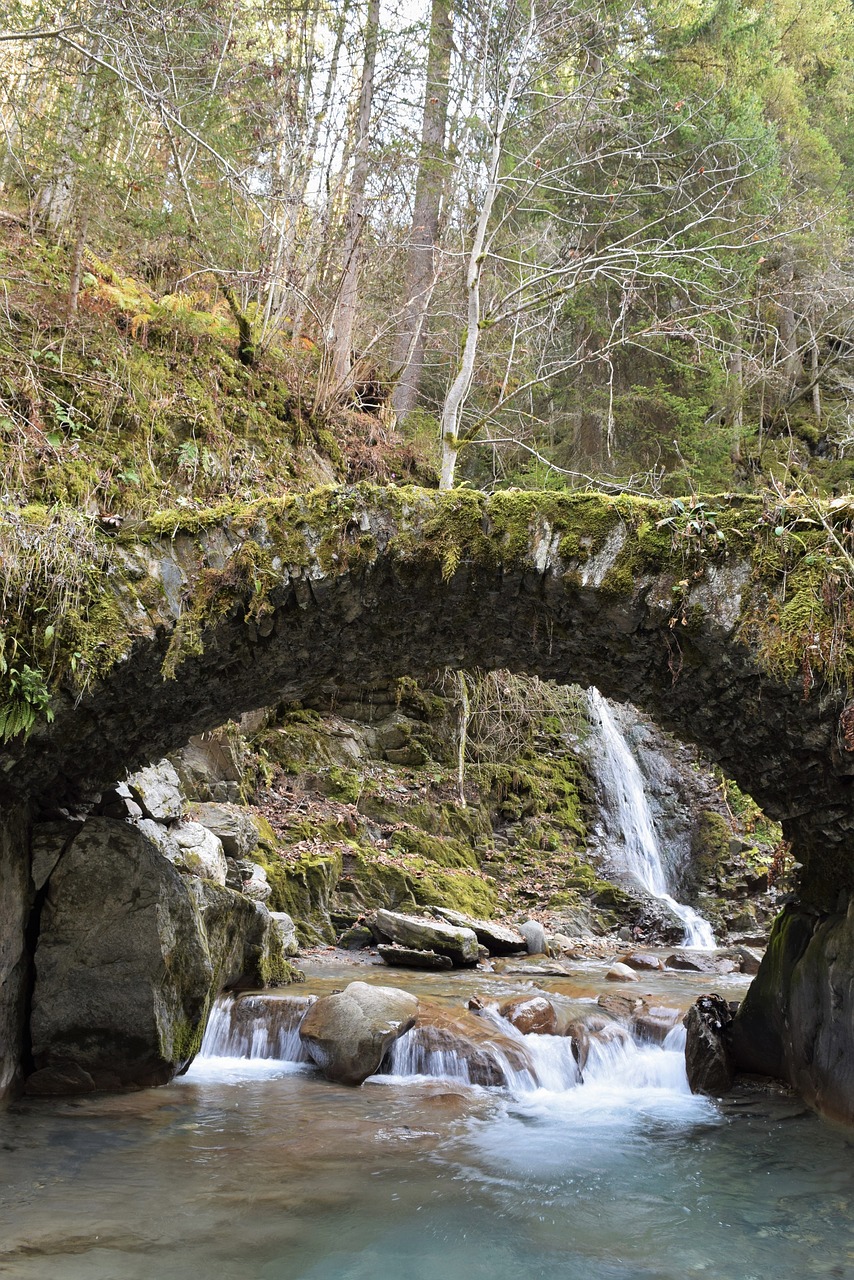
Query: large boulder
point(157, 791)
point(429, 935)
point(130, 957)
point(499, 939)
point(535, 937)
point(797, 1019)
point(347, 1034)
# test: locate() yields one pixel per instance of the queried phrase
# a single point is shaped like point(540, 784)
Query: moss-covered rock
point(131, 955)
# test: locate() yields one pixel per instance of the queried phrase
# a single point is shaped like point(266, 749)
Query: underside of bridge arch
point(223, 612)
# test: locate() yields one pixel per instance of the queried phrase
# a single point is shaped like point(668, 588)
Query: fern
point(28, 702)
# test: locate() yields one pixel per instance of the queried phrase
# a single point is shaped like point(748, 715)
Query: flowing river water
point(255, 1168)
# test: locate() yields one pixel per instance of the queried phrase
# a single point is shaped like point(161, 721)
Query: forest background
point(250, 244)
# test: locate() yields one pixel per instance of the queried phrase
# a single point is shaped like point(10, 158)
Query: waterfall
point(623, 793)
point(256, 1026)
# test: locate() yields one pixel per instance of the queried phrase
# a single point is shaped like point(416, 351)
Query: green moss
point(303, 887)
point(183, 1042)
point(444, 851)
point(710, 844)
point(276, 971)
point(538, 785)
point(344, 784)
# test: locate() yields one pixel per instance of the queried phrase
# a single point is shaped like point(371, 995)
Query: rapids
point(251, 1167)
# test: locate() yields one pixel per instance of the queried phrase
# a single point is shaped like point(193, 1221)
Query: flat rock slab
point(499, 939)
point(639, 960)
point(421, 934)
point(410, 958)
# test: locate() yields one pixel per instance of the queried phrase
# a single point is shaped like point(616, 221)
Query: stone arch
point(199, 618)
point(222, 613)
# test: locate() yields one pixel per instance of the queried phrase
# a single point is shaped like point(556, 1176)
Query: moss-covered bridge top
point(728, 618)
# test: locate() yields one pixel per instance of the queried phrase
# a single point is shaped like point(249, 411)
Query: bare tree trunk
point(345, 311)
point(429, 190)
point(313, 260)
point(461, 385)
point(787, 325)
point(77, 262)
point(736, 372)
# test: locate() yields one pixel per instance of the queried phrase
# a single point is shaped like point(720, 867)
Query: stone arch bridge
point(715, 619)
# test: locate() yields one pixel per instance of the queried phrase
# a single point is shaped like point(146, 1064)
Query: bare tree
point(408, 360)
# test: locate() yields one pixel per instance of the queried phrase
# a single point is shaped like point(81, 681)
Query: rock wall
point(797, 1020)
point(15, 900)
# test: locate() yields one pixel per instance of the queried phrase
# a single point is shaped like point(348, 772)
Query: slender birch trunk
point(429, 191)
point(461, 385)
point(345, 311)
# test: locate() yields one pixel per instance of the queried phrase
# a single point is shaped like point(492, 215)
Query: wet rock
point(638, 960)
point(233, 826)
point(594, 1029)
point(499, 939)
point(157, 791)
point(429, 935)
point(532, 1015)
point(263, 1026)
point(694, 962)
point(751, 959)
point(60, 1079)
point(623, 1007)
point(484, 1054)
point(621, 973)
point(356, 937)
point(410, 958)
point(347, 1034)
point(797, 1020)
point(653, 1025)
point(201, 853)
point(535, 937)
point(708, 1059)
point(131, 955)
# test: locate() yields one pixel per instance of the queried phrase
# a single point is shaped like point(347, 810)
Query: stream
point(255, 1168)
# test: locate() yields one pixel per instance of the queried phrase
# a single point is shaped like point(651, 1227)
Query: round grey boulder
point(347, 1034)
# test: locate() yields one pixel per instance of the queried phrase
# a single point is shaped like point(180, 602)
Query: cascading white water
point(619, 1063)
point(622, 787)
point(249, 1036)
